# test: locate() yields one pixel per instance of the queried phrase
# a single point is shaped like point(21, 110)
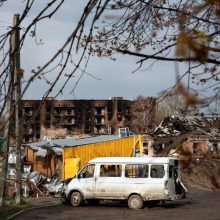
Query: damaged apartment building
point(60, 118)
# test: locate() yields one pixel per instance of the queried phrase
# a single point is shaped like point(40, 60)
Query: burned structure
point(196, 136)
point(59, 118)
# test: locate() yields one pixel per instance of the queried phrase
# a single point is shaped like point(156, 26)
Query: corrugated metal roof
point(90, 140)
point(57, 150)
point(41, 152)
point(71, 142)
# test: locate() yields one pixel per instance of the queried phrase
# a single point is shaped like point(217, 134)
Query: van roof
point(132, 160)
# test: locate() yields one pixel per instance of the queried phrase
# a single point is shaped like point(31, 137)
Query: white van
point(135, 179)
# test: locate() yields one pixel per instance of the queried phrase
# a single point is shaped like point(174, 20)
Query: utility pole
point(18, 113)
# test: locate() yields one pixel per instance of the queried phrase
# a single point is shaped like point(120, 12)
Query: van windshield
point(87, 171)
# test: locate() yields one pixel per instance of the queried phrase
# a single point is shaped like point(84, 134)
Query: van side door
point(174, 184)
point(171, 178)
point(136, 179)
point(157, 181)
point(86, 181)
point(109, 182)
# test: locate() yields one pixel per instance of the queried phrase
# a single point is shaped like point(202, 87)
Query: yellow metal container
point(76, 157)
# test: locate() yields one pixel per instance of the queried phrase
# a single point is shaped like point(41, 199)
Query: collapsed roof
point(175, 126)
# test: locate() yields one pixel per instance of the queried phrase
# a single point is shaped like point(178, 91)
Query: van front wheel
point(76, 199)
point(135, 202)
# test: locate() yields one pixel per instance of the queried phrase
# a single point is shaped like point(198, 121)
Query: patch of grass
point(10, 209)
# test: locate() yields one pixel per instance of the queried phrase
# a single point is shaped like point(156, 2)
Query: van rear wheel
point(76, 199)
point(135, 202)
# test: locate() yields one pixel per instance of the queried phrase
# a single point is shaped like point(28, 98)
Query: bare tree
point(156, 30)
point(143, 115)
point(150, 29)
point(172, 103)
point(57, 63)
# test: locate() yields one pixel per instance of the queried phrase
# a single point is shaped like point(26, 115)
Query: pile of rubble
point(37, 184)
point(174, 126)
point(33, 183)
point(195, 136)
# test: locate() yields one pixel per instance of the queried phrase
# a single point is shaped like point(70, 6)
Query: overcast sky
point(114, 78)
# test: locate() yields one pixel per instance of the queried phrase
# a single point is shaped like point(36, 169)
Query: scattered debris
point(41, 185)
point(55, 186)
point(174, 126)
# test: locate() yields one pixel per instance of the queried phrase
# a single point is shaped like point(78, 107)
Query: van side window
point(109, 170)
point(88, 171)
point(136, 170)
point(157, 171)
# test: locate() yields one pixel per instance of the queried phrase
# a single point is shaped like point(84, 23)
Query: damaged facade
point(39, 164)
point(188, 135)
point(59, 118)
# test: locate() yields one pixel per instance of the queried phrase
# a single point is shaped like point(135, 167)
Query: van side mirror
point(79, 175)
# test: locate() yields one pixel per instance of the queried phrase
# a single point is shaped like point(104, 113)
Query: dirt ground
point(202, 201)
point(201, 174)
point(199, 205)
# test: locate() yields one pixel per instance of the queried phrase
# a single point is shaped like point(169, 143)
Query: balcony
point(99, 112)
point(100, 122)
point(70, 122)
point(70, 112)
